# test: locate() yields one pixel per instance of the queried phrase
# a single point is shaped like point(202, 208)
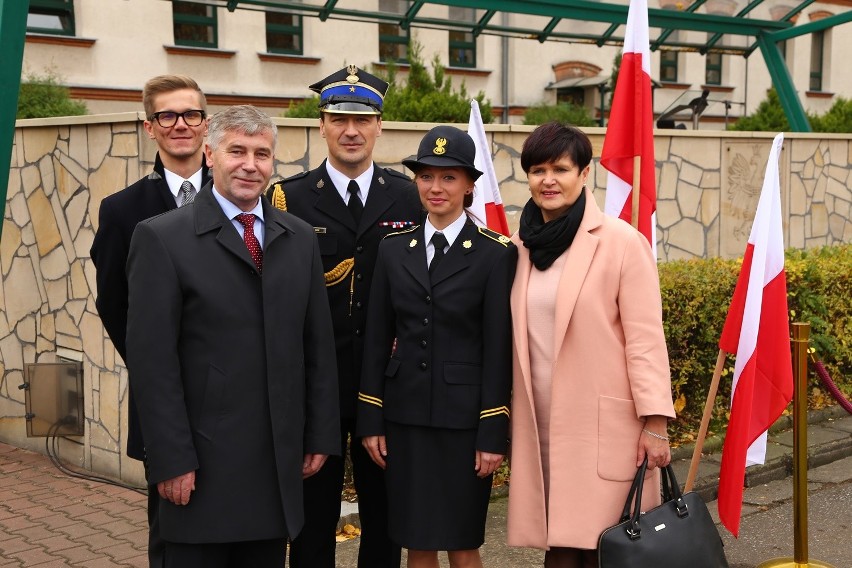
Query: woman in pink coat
point(592, 390)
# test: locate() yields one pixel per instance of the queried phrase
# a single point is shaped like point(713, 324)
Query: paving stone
point(78, 554)
point(835, 472)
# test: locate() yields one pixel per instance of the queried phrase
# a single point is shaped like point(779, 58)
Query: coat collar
point(210, 217)
point(327, 199)
point(454, 262)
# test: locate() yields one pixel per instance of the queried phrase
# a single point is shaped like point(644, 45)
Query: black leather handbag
point(678, 534)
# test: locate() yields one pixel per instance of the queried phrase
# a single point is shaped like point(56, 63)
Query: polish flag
point(630, 129)
point(757, 330)
point(487, 205)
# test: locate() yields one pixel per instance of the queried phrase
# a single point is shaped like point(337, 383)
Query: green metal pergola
point(599, 23)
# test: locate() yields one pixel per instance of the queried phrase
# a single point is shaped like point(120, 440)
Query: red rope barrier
point(829, 384)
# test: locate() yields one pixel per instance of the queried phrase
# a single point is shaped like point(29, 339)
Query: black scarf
point(547, 241)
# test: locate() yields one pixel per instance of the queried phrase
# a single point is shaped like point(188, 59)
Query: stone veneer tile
point(91, 332)
point(713, 239)
point(819, 220)
point(11, 350)
point(109, 353)
point(21, 290)
point(690, 173)
point(798, 196)
point(79, 287)
point(26, 329)
point(62, 146)
point(28, 235)
point(47, 327)
point(75, 212)
point(62, 226)
point(124, 145)
point(96, 406)
point(710, 200)
point(110, 405)
point(838, 189)
point(105, 461)
point(38, 142)
point(688, 235)
point(837, 226)
point(711, 180)
point(819, 159)
point(54, 265)
point(667, 181)
point(69, 342)
point(76, 308)
point(808, 169)
point(78, 142)
point(30, 179)
point(292, 144)
point(108, 179)
point(810, 186)
point(48, 175)
point(69, 177)
point(668, 213)
point(100, 138)
point(14, 186)
point(17, 208)
point(127, 126)
point(814, 242)
point(8, 246)
point(57, 294)
point(83, 243)
point(819, 189)
point(689, 199)
point(43, 346)
point(64, 324)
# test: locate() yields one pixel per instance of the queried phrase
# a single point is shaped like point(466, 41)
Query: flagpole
point(637, 174)
point(705, 420)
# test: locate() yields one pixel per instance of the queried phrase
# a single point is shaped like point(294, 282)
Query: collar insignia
point(320, 184)
point(413, 243)
point(467, 244)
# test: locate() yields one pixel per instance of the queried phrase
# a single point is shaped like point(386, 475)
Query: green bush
point(306, 108)
point(769, 116)
point(42, 96)
point(837, 119)
point(562, 112)
point(696, 295)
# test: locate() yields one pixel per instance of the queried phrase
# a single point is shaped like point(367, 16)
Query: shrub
point(696, 295)
point(769, 116)
point(306, 108)
point(837, 119)
point(562, 112)
point(42, 96)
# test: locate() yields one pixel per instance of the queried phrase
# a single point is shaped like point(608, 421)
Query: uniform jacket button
point(423, 365)
point(425, 321)
point(359, 277)
point(423, 344)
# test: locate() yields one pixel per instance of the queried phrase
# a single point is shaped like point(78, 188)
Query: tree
point(42, 96)
point(561, 112)
point(837, 119)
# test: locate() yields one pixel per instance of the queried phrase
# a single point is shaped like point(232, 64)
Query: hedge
point(696, 294)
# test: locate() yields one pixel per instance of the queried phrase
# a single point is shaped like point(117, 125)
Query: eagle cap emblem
point(439, 146)
point(353, 74)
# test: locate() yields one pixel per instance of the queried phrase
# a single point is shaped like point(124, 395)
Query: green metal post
point(783, 84)
point(13, 30)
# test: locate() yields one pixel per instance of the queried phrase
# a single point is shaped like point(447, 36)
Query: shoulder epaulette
point(403, 232)
point(278, 198)
point(395, 173)
point(495, 236)
point(299, 175)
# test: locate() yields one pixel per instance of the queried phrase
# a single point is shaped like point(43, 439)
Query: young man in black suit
point(176, 112)
point(231, 358)
point(352, 204)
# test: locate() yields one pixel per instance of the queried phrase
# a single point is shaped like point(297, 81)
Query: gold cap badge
point(439, 146)
point(352, 77)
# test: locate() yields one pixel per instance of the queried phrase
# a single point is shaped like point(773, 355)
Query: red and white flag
point(487, 205)
point(757, 330)
point(630, 129)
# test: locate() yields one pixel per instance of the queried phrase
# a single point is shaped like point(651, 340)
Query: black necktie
point(439, 241)
point(355, 205)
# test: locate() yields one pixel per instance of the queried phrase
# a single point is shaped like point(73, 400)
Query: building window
point(195, 25)
point(393, 40)
point(817, 46)
point(713, 69)
point(462, 43)
point(668, 66)
point(51, 17)
point(283, 33)
point(571, 96)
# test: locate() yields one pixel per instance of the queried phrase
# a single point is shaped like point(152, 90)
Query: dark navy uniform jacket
point(349, 252)
point(452, 364)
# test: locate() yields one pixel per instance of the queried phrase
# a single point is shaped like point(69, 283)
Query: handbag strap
point(636, 503)
point(672, 492)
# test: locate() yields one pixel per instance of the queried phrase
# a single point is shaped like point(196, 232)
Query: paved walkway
point(48, 519)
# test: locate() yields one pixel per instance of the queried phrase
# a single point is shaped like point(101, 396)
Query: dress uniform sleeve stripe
point(370, 399)
point(494, 412)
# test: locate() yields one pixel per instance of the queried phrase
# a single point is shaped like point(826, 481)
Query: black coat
point(349, 252)
point(119, 215)
point(233, 372)
point(452, 365)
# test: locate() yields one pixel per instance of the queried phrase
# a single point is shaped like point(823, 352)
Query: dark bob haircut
point(551, 141)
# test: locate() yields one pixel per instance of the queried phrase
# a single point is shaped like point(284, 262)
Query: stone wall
point(61, 169)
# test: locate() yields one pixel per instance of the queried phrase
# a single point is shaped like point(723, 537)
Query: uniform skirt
point(435, 499)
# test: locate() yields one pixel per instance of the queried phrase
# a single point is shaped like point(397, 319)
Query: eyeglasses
point(168, 118)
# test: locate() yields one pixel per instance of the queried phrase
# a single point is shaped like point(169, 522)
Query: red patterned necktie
point(247, 221)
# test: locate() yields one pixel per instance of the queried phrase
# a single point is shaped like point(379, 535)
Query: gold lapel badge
point(503, 239)
point(467, 244)
point(439, 146)
point(413, 243)
point(320, 184)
